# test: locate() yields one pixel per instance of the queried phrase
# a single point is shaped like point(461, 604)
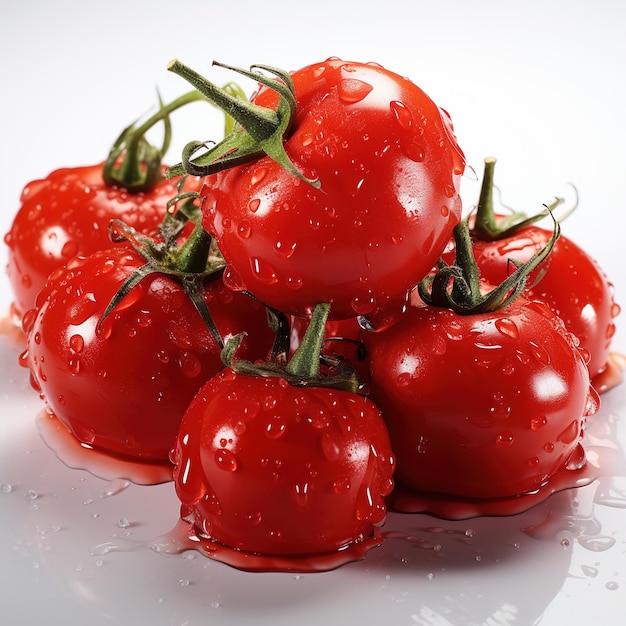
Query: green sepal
point(257, 130)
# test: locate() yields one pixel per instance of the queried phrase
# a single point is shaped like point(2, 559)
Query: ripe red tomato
point(67, 214)
point(573, 286)
point(124, 386)
point(570, 282)
point(269, 468)
point(487, 405)
point(389, 169)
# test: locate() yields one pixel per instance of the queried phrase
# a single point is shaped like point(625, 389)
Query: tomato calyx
point(133, 162)
point(491, 227)
point(257, 130)
point(307, 366)
point(190, 264)
point(458, 287)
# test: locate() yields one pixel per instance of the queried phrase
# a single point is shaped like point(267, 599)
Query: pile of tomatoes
point(299, 315)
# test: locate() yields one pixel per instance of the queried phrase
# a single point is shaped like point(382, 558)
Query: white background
point(539, 84)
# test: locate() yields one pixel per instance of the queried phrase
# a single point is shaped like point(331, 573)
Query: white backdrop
point(540, 84)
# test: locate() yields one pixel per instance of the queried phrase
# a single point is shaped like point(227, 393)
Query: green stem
point(258, 130)
point(133, 163)
point(193, 255)
point(465, 296)
point(305, 362)
point(485, 223)
point(259, 122)
point(491, 227)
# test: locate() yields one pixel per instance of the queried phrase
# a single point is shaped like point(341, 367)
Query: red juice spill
point(99, 463)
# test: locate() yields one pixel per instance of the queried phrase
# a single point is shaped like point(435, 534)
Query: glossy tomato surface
point(389, 168)
point(268, 468)
point(481, 406)
point(67, 214)
point(123, 387)
point(571, 283)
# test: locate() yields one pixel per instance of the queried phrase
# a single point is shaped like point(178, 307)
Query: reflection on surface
point(87, 542)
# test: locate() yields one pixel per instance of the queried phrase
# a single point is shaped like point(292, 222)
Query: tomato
point(124, 385)
point(573, 286)
point(488, 405)
point(571, 282)
point(67, 214)
point(268, 468)
point(386, 168)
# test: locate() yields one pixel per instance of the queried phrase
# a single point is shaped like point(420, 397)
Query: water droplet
point(232, 278)
point(189, 364)
point(362, 305)
point(352, 90)
point(589, 571)
point(403, 379)
point(500, 411)
point(578, 459)
point(401, 113)
point(504, 439)
point(116, 486)
point(331, 448)
point(597, 543)
point(538, 422)
point(507, 327)
point(414, 151)
point(294, 282)
point(69, 249)
point(612, 585)
point(226, 460)
point(615, 309)
point(74, 365)
point(285, 250)
point(275, 428)
point(77, 343)
point(83, 308)
point(258, 175)
point(364, 503)
point(539, 353)
point(244, 229)
point(341, 485)
point(548, 447)
point(254, 519)
point(302, 494)
point(263, 271)
point(254, 205)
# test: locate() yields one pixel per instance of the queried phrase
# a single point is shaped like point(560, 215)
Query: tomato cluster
point(299, 317)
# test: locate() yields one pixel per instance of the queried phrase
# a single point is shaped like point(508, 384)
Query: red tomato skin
point(67, 214)
point(389, 168)
point(481, 406)
point(272, 469)
point(573, 286)
point(570, 282)
point(123, 389)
